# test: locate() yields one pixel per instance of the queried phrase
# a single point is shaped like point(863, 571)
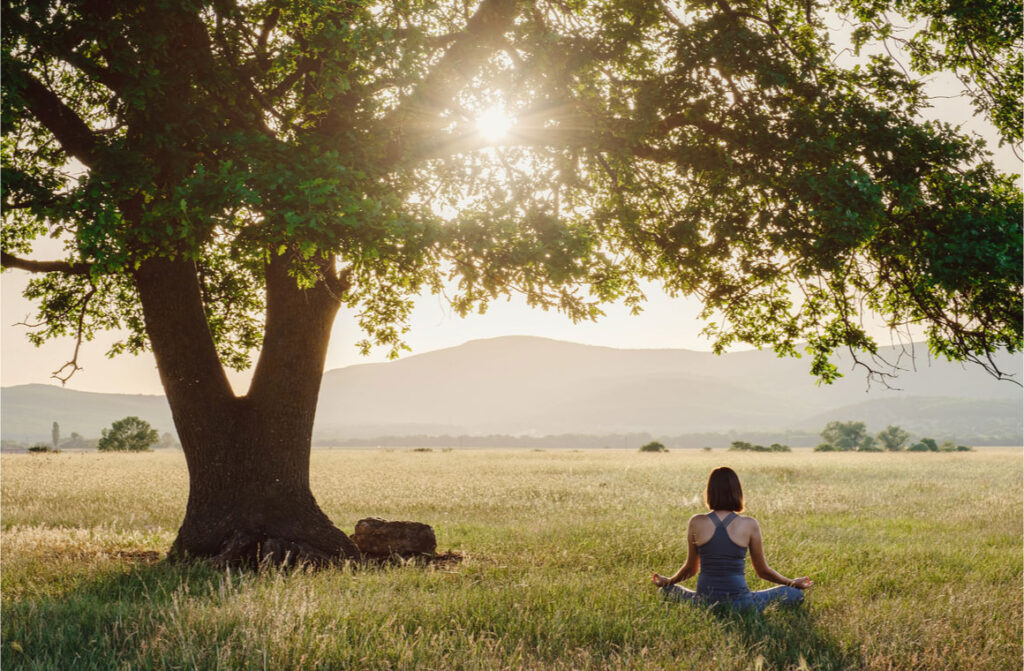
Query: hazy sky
point(665, 323)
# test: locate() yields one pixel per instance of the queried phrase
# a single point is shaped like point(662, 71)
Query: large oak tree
point(224, 175)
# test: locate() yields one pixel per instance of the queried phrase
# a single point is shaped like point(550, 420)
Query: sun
point(494, 124)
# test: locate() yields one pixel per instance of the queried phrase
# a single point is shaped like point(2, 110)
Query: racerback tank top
point(722, 564)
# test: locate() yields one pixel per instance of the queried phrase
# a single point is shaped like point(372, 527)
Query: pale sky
point(665, 323)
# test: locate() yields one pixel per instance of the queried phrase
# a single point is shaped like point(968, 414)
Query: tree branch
point(670, 14)
point(296, 333)
point(66, 267)
point(64, 49)
point(421, 109)
point(179, 333)
point(269, 23)
point(303, 68)
point(59, 374)
point(74, 135)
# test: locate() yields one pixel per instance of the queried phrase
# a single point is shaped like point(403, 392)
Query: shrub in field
point(892, 437)
point(40, 447)
point(825, 447)
point(130, 434)
point(743, 446)
point(653, 446)
point(845, 435)
point(919, 447)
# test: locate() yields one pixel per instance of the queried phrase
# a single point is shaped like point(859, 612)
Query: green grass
point(917, 559)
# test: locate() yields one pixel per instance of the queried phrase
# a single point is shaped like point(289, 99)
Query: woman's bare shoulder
point(747, 521)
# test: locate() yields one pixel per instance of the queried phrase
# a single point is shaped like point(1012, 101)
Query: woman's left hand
point(660, 580)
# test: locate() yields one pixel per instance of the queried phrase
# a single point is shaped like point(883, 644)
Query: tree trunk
point(248, 458)
point(249, 497)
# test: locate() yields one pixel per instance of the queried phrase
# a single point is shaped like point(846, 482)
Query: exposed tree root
point(253, 549)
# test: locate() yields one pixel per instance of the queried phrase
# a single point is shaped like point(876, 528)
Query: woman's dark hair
point(724, 491)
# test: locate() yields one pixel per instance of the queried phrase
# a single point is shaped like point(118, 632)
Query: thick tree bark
point(248, 458)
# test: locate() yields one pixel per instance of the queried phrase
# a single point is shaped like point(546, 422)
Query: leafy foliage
point(718, 150)
point(892, 437)
point(653, 446)
point(868, 444)
point(981, 42)
point(845, 436)
point(130, 434)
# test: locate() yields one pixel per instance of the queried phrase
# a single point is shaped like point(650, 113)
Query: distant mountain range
point(527, 385)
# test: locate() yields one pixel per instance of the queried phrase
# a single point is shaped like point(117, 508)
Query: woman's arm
point(692, 565)
point(761, 567)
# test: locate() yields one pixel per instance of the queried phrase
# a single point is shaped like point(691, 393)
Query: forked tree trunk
point(249, 496)
point(248, 458)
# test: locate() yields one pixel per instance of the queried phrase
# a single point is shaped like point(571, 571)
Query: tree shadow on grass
point(89, 624)
point(99, 618)
point(786, 637)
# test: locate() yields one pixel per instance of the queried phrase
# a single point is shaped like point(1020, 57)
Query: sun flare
point(494, 124)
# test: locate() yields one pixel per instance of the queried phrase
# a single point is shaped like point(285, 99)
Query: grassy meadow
point(917, 559)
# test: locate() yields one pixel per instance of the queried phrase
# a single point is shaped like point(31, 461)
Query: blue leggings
point(759, 600)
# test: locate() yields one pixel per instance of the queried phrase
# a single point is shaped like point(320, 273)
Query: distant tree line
point(130, 434)
point(631, 441)
point(838, 436)
point(854, 437)
point(743, 446)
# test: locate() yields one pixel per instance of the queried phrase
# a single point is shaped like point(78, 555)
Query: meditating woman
point(717, 547)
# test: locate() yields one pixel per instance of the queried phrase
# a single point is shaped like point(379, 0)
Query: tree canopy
point(715, 148)
point(892, 437)
point(845, 436)
point(130, 434)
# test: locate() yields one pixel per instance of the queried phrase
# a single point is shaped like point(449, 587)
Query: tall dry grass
point(917, 559)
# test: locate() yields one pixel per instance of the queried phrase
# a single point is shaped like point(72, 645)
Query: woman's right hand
point(660, 580)
point(802, 583)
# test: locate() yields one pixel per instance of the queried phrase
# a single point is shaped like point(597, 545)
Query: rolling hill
point(520, 384)
point(528, 385)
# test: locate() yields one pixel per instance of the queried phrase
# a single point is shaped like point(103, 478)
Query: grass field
point(917, 559)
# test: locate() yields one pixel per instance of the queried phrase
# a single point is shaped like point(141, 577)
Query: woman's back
point(722, 563)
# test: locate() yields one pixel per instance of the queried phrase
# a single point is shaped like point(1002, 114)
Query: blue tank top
point(722, 565)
